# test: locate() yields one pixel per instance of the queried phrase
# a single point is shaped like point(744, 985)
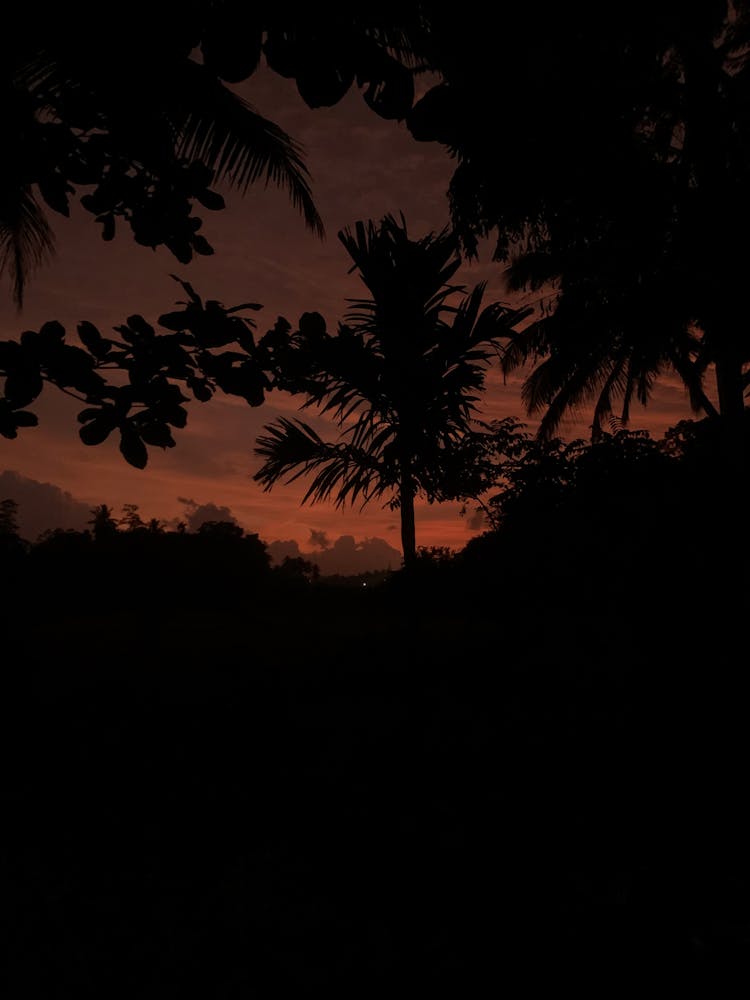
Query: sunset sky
point(362, 167)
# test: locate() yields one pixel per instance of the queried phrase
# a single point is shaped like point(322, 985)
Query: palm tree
point(597, 349)
point(638, 223)
point(401, 378)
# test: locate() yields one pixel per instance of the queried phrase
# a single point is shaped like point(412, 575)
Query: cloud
point(197, 514)
point(344, 556)
point(279, 551)
point(319, 539)
point(42, 505)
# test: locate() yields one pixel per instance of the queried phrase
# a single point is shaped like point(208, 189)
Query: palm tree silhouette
point(400, 379)
point(587, 352)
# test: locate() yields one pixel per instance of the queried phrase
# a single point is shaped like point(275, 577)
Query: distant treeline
point(604, 521)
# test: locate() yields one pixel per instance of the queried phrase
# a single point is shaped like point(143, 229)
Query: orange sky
point(362, 167)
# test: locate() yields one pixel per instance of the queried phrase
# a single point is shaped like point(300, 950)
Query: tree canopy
point(402, 377)
point(608, 159)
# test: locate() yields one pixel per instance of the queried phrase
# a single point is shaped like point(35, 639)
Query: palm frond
point(559, 388)
point(186, 110)
point(617, 382)
point(26, 239)
point(222, 130)
point(342, 471)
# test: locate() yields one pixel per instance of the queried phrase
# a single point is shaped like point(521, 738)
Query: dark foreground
point(350, 793)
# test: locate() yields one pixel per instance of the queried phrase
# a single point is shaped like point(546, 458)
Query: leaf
point(54, 189)
point(22, 386)
point(188, 289)
point(138, 323)
point(7, 423)
point(157, 434)
point(312, 325)
point(52, 330)
point(93, 202)
point(10, 353)
point(282, 53)
point(230, 47)
point(202, 246)
point(434, 117)
point(322, 86)
point(90, 413)
point(97, 431)
point(244, 305)
point(200, 389)
point(391, 93)
point(133, 449)
point(177, 416)
point(174, 320)
point(24, 418)
point(211, 200)
point(180, 249)
point(128, 335)
point(93, 340)
point(108, 226)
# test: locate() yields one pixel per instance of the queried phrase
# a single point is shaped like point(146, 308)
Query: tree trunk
point(731, 395)
point(408, 524)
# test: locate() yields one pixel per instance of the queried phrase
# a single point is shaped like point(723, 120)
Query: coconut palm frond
point(222, 130)
point(560, 386)
point(26, 239)
point(398, 271)
point(532, 342)
point(618, 382)
point(692, 375)
point(288, 448)
point(343, 471)
point(499, 321)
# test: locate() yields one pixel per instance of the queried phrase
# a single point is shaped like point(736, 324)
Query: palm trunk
point(708, 141)
point(731, 395)
point(731, 487)
point(408, 524)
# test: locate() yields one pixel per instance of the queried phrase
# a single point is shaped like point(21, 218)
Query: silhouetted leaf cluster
point(139, 126)
point(138, 382)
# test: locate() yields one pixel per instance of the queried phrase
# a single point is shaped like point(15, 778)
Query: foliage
point(401, 377)
point(140, 148)
point(630, 241)
point(138, 382)
point(131, 562)
point(140, 126)
point(8, 517)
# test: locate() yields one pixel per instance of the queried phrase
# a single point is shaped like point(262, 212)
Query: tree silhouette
point(139, 146)
point(633, 234)
point(103, 523)
point(147, 403)
point(401, 378)
point(137, 124)
point(143, 148)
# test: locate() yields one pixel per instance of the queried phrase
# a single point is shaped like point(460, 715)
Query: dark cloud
point(344, 556)
point(42, 506)
point(197, 514)
point(279, 551)
point(319, 539)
